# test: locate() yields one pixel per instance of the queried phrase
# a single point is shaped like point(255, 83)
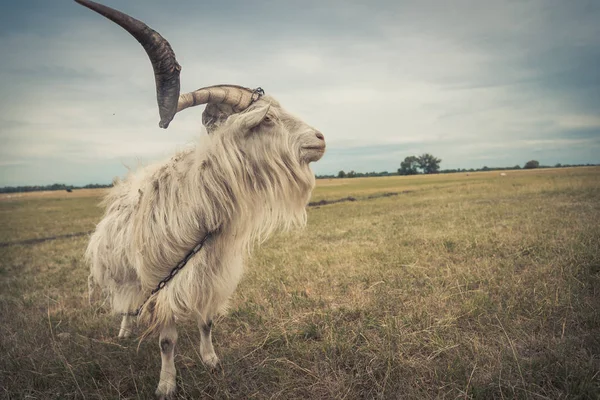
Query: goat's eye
point(268, 121)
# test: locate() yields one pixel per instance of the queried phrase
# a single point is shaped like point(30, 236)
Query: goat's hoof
point(166, 390)
point(212, 362)
point(124, 335)
point(164, 394)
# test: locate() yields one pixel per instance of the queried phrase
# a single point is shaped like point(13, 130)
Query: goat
point(249, 177)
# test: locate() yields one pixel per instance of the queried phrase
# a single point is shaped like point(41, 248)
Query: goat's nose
point(319, 135)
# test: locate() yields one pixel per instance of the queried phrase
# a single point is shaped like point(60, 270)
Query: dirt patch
point(350, 198)
point(44, 239)
point(326, 202)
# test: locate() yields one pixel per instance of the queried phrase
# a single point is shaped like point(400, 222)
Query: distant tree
point(428, 163)
point(351, 174)
point(409, 166)
point(97, 186)
point(531, 164)
point(558, 165)
point(516, 167)
point(341, 174)
point(485, 168)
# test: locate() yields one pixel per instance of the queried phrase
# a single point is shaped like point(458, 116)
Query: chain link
point(257, 94)
point(171, 275)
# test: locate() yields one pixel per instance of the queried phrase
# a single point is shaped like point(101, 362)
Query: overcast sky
point(475, 83)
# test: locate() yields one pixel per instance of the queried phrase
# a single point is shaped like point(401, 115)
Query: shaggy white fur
point(245, 180)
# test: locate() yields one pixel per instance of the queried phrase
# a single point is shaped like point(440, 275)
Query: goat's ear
point(254, 117)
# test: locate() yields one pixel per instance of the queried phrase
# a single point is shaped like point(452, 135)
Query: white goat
point(249, 177)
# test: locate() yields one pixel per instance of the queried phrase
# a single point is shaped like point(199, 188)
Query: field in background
point(480, 286)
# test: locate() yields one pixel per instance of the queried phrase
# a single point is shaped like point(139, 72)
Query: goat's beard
point(312, 154)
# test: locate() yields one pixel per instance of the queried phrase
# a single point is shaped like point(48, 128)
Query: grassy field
point(457, 286)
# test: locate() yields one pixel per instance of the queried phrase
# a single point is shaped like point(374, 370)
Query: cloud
point(471, 82)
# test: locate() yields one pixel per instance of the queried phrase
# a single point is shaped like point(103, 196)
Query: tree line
point(412, 165)
point(429, 164)
point(54, 186)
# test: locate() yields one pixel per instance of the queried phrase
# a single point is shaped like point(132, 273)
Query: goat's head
point(252, 114)
point(265, 128)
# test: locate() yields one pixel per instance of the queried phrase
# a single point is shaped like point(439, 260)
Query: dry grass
point(52, 194)
point(475, 286)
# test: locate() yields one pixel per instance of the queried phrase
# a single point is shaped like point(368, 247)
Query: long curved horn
point(237, 97)
point(166, 71)
point(162, 57)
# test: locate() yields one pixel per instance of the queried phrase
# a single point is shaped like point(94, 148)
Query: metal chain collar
point(171, 275)
point(257, 94)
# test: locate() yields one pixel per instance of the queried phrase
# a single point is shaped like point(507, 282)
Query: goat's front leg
point(207, 352)
point(167, 342)
point(126, 326)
